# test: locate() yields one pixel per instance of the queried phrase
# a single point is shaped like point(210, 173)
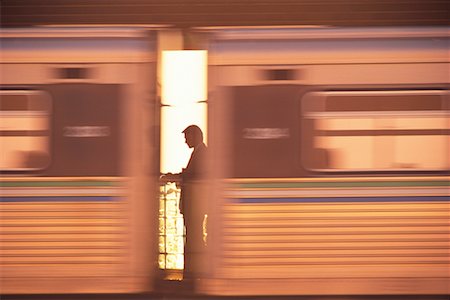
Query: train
point(329, 168)
point(78, 159)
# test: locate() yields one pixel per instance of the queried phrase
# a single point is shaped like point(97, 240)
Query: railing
point(171, 228)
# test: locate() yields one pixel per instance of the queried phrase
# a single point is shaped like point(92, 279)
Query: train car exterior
point(79, 144)
point(330, 159)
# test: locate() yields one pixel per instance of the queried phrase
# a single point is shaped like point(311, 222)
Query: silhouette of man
point(191, 208)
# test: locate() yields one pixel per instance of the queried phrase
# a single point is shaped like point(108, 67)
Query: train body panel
point(78, 164)
point(330, 161)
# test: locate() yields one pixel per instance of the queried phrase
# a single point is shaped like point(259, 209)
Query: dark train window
point(375, 130)
point(264, 123)
point(86, 138)
point(25, 130)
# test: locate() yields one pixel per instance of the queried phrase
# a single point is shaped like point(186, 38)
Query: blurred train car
point(330, 161)
point(79, 144)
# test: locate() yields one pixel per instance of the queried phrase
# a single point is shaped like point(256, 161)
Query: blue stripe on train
point(60, 199)
point(343, 199)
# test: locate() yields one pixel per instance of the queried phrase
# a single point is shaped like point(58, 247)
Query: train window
point(25, 130)
point(264, 121)
point(375, 130)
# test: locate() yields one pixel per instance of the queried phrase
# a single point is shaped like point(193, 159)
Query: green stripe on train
point(86, 183)
point(283, 185)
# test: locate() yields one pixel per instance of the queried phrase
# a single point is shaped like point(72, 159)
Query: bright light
point(174, 151)
point(183, 77)
point(183, 87)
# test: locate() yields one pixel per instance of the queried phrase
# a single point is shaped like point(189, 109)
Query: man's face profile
point(188, 136)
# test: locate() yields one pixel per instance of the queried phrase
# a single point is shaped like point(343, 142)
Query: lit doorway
point(183, 99)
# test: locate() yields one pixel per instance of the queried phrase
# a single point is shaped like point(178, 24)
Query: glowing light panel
point(183, 88)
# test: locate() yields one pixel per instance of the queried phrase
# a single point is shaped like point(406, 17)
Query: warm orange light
point(183, 89)
point(183, 77)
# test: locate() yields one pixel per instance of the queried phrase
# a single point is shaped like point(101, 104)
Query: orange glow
point(183, 88)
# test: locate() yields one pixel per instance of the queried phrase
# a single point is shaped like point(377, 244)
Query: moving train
point(329, 161)
point(78, 159)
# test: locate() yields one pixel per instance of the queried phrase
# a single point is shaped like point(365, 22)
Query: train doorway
point(183, 103)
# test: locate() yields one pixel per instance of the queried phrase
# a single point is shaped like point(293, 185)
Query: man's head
point(193, 135)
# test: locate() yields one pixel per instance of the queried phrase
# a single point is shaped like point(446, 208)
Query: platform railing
point(171, 228)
